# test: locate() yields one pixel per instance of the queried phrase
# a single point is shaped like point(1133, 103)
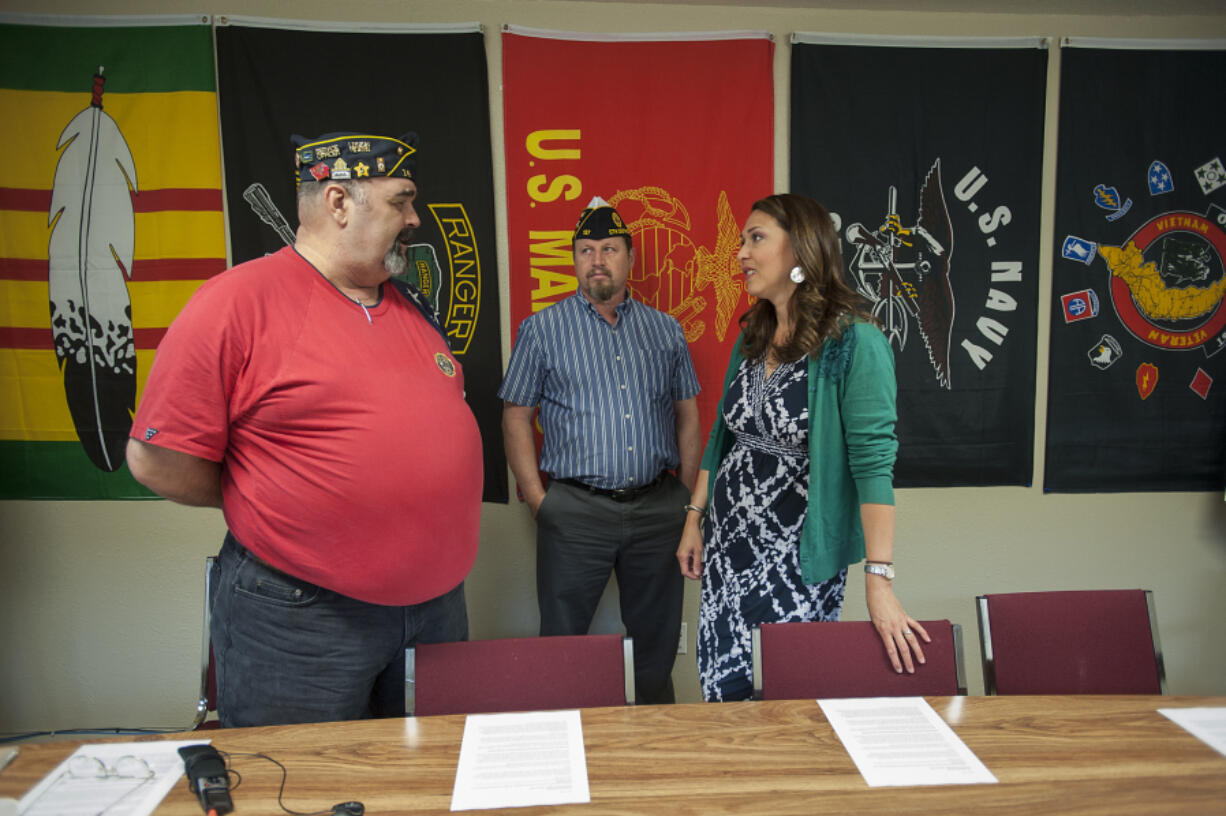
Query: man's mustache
point(403, 240)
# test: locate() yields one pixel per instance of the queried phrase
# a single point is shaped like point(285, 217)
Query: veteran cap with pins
point(599, 221)
point(353, 155)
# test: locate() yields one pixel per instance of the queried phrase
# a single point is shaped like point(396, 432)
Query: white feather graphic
point(90, 252)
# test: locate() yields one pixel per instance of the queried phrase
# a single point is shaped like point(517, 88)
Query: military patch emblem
point(1105, 352)
point(1167, 280)
point(1147, 379)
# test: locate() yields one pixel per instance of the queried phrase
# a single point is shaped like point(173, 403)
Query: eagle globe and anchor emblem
point(674, 274)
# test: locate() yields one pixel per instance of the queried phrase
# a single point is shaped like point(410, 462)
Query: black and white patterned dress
point(758, 499)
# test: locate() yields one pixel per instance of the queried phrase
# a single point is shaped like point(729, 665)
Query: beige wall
point(100, 602)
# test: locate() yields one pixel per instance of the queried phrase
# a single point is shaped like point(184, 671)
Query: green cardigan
point(852, 445)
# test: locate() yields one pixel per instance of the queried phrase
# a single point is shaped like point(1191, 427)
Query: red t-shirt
point(350, 458)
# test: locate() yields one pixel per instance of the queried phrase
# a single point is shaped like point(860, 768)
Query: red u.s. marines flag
point(676, 132)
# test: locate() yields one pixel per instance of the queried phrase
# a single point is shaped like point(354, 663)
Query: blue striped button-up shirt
point(606, 392)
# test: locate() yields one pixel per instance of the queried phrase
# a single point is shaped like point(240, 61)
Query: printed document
point(517, 760)
point(902, 741)
point(1207, 724)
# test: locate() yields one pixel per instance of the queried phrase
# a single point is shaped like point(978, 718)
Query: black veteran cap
point(343, 156)
point(599, 221)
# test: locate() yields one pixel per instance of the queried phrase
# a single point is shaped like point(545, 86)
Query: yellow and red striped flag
point(110, 218)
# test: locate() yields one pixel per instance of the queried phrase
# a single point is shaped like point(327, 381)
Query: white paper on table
point(902, 741)
point(1207, 724)
point(516, 760)
point(116, 779)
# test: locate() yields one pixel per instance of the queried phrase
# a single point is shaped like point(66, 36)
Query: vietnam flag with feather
point(108, 223)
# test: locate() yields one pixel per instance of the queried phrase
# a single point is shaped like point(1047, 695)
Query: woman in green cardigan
point(802, 453)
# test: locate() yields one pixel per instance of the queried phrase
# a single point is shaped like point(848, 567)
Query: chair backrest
point(847, 659)
point(1071, 642)
point(207, 701)
point(519, 674)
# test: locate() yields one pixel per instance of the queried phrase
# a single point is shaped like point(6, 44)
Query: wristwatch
point(886, 571)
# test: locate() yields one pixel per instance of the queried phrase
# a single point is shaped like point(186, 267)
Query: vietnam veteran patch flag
point(110, 218)
point(1136, 399)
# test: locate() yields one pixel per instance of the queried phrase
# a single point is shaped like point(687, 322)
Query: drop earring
point(797, 275)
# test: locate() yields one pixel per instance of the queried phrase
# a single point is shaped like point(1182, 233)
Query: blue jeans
point(287, 651)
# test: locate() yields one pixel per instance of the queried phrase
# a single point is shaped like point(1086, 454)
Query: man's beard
point(601, 291)
point(396, 261)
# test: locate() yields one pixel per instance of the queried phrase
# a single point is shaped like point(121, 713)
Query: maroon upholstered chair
point(519, 674)
point(1071, 642)
point(847, 659)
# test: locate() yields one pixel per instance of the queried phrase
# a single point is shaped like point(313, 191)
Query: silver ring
point(906, 632)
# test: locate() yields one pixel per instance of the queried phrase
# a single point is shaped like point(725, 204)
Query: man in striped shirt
point(616, 390)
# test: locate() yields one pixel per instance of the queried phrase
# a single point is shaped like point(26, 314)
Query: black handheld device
point(207, 777)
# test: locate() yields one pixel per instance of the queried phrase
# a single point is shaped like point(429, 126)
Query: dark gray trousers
point(582, 538)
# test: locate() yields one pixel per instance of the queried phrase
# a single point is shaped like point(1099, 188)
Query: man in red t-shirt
point(287, 393)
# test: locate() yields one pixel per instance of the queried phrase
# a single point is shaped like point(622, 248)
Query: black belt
point(621, 494)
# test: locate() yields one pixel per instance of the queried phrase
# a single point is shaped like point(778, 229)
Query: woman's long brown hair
point(821, 304)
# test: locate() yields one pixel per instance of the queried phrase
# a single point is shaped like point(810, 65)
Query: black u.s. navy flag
point(274, 82)
point(930, 155)
point(1137, 395)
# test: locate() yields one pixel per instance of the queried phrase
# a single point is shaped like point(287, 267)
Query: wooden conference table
point(1093, 754)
